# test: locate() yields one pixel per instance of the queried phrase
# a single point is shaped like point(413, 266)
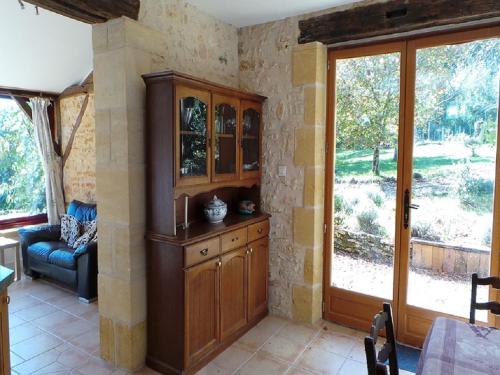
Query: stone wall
point(195, 43)
point(294, 119)
point(427, 255)
point(364, 245)
point(266, 68)
point(79, 170)
point(293, 78)
point(170, 34)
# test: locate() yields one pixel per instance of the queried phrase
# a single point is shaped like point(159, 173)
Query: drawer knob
point(251, 250)
point(259, 230)
point(204, 252)
point(218, 263)
point(234, 239)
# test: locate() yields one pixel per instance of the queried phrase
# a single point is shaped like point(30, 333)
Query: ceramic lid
point(215, 202)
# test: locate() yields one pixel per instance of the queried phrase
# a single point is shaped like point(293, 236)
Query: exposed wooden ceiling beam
point(86, 87)
point(9, 91)
point(393, 16)
point(91, 11)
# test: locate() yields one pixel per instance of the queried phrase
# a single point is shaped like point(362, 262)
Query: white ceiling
point(48, 52)
point(242, 13)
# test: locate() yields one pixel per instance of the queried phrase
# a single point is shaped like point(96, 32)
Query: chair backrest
point(493, 307)
point(376, 362)
point(82, 211)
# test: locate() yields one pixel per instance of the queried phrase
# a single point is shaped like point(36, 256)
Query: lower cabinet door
point(233, 301)
point(202, 310)
point(257, 276)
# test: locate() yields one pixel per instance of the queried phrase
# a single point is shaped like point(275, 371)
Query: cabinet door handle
point(7, 300)
point(251, 250)
point(218, 263)
point(204, 252)
point(247, 252)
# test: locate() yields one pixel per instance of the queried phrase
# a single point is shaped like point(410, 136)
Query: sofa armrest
point(29, 236)
point(87, 270)
point(85, 249)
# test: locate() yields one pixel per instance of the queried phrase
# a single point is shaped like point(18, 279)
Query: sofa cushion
point(89, 232)
point(42, 250)
point(82, 211)
point(70, 229)
point(63, 258)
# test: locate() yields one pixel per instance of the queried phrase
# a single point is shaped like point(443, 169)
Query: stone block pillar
point(309, 73)
point(123, 50)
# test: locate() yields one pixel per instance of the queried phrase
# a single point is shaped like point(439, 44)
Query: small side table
point(8, 243)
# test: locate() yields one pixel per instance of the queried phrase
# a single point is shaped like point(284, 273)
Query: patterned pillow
point(70, 229)
point(89, 232)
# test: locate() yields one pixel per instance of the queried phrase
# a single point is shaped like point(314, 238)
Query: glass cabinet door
point(250, 139)
point(193, 163)
point(225, 135)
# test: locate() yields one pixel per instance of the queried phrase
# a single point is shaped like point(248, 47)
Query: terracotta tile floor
point(277, 346)
point(51, 332)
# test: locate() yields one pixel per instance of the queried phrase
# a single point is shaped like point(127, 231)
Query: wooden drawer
point(258, 230)
point(234, 239)
point(201, 251)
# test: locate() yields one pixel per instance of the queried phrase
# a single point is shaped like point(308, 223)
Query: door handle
point(407, 206)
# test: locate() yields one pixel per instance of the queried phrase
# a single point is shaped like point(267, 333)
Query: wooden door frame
point(369, 304)
point(408, 49)
point(422, 318)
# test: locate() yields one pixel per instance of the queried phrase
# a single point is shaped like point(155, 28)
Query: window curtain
point(51, 161)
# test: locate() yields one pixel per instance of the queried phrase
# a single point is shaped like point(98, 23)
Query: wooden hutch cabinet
point(207, 284)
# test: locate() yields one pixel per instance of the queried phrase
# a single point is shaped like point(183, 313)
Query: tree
point(22, 184)
point(368, 104)
point(456, 89)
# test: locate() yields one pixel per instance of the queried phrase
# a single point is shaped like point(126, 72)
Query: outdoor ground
point(376, 279)
point(365, 203)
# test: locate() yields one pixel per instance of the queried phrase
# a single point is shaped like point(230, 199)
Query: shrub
point(376, 198)
point(487, 237)
point(367, 222)
point(424, 230)
point(475, 192)
point(338, 203)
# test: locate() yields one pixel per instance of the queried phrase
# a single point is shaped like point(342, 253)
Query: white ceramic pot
point(215, 210)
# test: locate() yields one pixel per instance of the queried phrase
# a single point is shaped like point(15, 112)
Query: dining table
point(454, 347)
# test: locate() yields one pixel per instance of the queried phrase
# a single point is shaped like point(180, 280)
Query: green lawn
point(359, 163)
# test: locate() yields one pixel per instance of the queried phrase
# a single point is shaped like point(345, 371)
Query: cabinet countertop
point(201, 230)
point(6, 277)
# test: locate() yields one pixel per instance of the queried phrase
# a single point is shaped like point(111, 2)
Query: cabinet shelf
point(189, 132)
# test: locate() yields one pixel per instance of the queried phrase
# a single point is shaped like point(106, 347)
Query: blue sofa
point(44, 254)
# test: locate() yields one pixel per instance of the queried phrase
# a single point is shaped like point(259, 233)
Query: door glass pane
point(454, 148)
point(367, 122)
point(225, 139)
point(250, 139)
point(193, 137)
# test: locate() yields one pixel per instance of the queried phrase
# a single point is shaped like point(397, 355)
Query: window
point(22, 181)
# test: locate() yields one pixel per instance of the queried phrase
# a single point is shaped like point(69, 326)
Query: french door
point(410, 179)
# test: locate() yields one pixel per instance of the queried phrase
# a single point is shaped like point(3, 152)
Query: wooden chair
point(493, 307)
point(376, 361)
